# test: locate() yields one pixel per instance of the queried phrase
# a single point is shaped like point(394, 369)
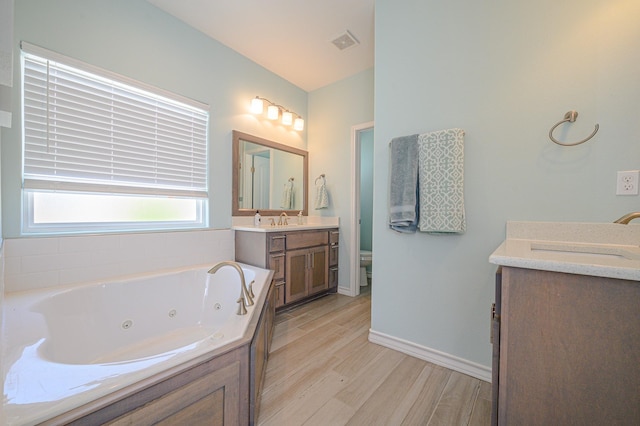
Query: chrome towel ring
point(570, 117)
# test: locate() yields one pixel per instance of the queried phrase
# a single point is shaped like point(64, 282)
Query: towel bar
point(570, 117)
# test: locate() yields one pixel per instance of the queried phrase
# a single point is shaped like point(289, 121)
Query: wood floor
point(322, 370)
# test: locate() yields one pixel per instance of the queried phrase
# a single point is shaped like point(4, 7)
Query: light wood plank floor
point(322, 370)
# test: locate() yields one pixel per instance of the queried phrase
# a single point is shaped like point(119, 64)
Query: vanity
point(566, 324)
point(304, 258)
point(272, 178)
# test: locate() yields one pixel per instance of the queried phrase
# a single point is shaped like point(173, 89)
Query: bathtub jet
point(246, 298)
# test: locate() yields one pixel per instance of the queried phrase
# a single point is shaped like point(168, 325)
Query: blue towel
point(403, 184)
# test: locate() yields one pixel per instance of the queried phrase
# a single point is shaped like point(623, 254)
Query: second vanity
point(304, 258)
point(566, 324)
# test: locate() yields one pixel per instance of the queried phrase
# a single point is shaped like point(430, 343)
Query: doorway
point(359, 133)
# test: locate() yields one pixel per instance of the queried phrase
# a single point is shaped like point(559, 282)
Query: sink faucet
point(628, 218)
point(285, 221)
point(245, 298)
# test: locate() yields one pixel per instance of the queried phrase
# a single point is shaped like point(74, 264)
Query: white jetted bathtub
point(65, 347)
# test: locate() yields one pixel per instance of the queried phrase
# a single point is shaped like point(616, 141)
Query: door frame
point(354, 248)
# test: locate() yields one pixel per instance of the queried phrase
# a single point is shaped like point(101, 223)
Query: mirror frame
point(240, 136)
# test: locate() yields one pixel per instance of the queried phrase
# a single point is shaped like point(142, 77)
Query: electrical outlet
point(627, 183)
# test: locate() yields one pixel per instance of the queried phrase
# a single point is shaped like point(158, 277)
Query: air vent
point(345, 41)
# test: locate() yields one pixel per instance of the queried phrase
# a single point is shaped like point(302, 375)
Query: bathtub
point(65, 347)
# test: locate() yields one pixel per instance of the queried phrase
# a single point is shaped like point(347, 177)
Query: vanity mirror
point(268, 176)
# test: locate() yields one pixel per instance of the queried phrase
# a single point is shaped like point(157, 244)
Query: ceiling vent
point(345, 41)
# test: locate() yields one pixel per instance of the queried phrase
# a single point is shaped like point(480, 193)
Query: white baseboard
point(440, 358)
point(345, 291)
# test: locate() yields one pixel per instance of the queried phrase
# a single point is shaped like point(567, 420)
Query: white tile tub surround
point(34, 263)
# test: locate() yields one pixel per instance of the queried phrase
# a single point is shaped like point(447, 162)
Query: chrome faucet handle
point(242, 309)
point(248, 296)
point(247, 300)
point(251, 289)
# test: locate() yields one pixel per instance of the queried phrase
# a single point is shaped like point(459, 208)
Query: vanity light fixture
point(287, 118)
point(275, 111)
point(257, 106)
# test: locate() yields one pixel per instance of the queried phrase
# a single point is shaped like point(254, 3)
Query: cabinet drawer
point(333, 255)
point(302, 239)
point(334, 236)
point(276, 242)
point(333, 277)
point(280, 292)
point(276, 263)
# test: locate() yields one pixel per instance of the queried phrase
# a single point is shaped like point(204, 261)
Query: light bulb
point(287, 118)
point(298, 124)
point(273, 112)
point(256, 105)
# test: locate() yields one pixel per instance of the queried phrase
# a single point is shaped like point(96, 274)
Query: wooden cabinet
point(259, 352)
point(566, 349)
point(334, 237)
point(307, 272)
point(305, 263)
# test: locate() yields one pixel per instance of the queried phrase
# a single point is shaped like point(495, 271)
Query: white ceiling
point(291, 38)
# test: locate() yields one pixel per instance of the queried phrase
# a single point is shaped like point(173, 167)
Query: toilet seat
point(365, 260)
point(365, 255)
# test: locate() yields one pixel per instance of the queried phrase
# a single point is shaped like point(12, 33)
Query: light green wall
point(137, 40)
point(333, 110)
point(366, 189)
point(505, 71)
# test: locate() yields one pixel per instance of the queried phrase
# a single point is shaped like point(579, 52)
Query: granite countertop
point(309, 223)
point(599, 249)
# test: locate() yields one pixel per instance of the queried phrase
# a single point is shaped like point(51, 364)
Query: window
point(102, 152)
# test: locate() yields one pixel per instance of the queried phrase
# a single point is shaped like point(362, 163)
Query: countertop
point(598, 249)
point(245, 223)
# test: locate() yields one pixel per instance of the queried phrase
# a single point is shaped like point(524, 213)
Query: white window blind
point(87, 131)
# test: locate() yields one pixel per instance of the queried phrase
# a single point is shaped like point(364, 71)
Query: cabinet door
point(569, 349)
point(296, 278)
point(276, 263)
point(333, 277)
point(318, 277)
point(280, 294)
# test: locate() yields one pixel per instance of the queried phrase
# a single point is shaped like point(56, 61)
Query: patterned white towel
point(287, 196)
point(441, 180)
point(322, 197)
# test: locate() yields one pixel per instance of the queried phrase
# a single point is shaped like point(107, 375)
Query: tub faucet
point(245, 298)
point(628, 218)
point(285, 221)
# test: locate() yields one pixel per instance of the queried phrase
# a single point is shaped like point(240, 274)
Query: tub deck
point(44, 380)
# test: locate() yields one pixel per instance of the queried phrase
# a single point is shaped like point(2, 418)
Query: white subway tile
point(45, 262)
point(86, 274)
point(12, 265)
point(88, 243)
point(54, 262)
point(23, 282)
point(16, 247)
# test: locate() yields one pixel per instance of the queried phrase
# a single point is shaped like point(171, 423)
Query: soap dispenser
point(300, 218)
point(257, 219)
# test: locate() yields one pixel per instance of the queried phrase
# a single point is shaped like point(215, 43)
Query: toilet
point(365, 260)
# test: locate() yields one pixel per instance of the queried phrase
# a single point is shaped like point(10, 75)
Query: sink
point(595, 250)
